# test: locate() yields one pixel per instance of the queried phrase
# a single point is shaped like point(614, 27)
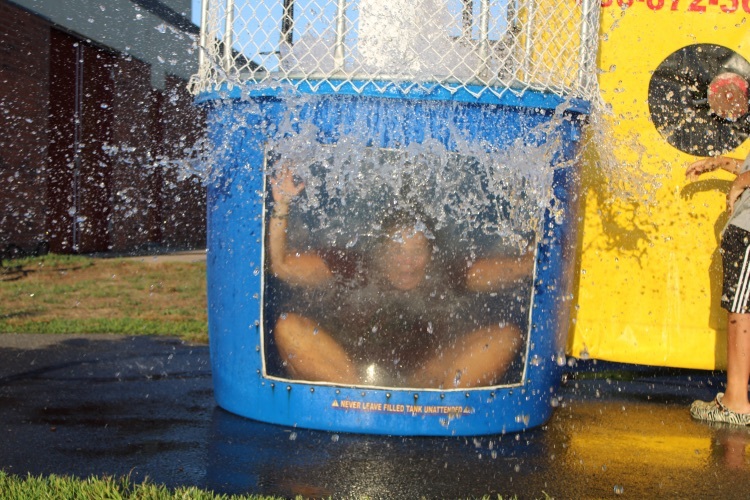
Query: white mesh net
point(476, 46)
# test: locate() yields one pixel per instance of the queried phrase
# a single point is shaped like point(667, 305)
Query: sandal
point(715, 411)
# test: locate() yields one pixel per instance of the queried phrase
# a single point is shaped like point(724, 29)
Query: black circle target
point(678, 100)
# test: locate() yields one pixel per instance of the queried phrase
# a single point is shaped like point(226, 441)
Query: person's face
point(726, 97)
point(405, 259)
point(730, 103)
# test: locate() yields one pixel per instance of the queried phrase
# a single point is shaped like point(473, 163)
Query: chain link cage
point(478, 46)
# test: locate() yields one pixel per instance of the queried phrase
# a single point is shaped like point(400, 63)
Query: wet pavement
point(143, 406)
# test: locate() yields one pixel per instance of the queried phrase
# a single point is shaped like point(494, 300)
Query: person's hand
point(697, 168)
point(283, 186)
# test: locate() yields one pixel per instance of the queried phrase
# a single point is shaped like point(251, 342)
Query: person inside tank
point(395, 317)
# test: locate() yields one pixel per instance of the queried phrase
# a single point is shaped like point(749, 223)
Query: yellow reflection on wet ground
point(625, 447)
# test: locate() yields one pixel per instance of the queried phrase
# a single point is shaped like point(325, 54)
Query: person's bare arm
point(296, 268)
point(491, 274)
point(697, 168)
point(738, 187)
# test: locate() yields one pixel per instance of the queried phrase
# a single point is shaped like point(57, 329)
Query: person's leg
point(738, 363)
point(311, 353)
point(479, 358)
point(732, 407)
point(729, 444)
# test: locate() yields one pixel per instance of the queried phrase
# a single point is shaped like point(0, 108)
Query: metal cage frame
point(495, 46)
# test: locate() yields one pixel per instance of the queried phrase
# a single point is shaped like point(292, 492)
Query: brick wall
point(134, 179)
point(24, 98)
point(99, 183)
point(155, 205)
point(183, 196)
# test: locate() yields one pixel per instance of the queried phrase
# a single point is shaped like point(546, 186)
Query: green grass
point(77, 294)
point(51, 260)
point(125, 326)
point(57, 487)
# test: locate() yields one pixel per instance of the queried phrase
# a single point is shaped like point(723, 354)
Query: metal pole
point(512, 16)
point(589, 16)
point(466, 18)
point(484, 37)
point(514, 23)
point(203, 37)
point(287, 23)
point(228, 37)
point(338, 52)
point(529, 42)
point(512, 32)
point(77, 147)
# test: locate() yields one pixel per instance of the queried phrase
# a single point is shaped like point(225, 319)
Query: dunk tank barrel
point(392, 209)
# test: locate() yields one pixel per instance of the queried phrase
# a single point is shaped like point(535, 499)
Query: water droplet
point(618, 489)
point(584, 353)
point(523, 419)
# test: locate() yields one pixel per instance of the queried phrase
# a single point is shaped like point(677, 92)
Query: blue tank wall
point(240, 126)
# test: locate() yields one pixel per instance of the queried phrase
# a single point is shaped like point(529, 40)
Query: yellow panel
point(650, 276)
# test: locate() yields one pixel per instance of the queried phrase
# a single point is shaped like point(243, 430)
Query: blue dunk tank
point(392, 209)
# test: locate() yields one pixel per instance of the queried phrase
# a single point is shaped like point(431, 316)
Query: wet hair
point(395, 219)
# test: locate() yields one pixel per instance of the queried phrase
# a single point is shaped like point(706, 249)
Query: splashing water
point(499, 190)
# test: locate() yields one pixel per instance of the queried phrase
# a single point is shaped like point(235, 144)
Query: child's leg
point(480, 358)
point(311, 353)
point(738, 363)
point(735, 250)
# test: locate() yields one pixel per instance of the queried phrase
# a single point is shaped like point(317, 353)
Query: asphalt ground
point(144, 407)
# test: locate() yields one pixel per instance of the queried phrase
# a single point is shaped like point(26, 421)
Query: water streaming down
point(440, 167)
point(474, 205)
point(392, 237)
